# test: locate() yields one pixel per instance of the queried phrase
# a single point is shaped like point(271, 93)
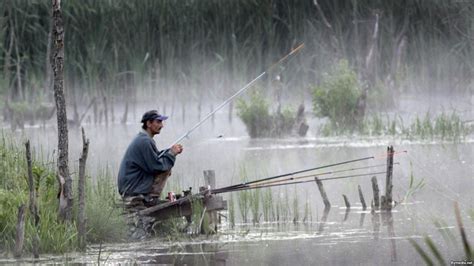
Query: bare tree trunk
point(33, 207)
point(81, 218)
point(57, 64)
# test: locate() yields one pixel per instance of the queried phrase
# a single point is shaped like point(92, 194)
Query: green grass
point(104, 221)
point(443, 126)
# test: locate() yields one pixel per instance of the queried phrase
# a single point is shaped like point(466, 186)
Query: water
point(340, 238)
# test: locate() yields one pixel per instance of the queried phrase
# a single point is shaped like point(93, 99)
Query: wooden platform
point(183, 207)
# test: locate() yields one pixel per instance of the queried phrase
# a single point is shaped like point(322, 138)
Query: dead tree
point(57, 65)
point(81, 217)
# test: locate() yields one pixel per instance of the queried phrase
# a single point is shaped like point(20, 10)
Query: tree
point(57, 64)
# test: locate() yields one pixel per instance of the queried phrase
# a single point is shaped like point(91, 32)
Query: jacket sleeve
point(154, 163)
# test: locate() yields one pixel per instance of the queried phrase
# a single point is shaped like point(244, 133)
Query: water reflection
point(388, 220)
point(324, 218)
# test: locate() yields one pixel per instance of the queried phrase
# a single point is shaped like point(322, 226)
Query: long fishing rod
point(296, 182)
point(293, 173)
point(248, 85)
point(321, 174)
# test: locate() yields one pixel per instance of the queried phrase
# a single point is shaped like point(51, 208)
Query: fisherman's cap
point(153, 115)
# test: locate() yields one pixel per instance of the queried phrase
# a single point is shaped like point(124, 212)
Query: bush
point(259, 122)
point(337, 96)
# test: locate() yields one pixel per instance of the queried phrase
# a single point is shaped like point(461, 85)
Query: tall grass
point(104, 220)
point(190, 46)
point(443, 126)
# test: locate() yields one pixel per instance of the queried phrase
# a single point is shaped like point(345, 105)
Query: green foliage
point(105, 222)
point(336, 97)
point(259, 122)
point(255, 115)
point(104, 219)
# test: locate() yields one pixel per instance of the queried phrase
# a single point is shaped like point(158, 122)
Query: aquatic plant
point(336, 97)
point(414, 185)
point(296, 214)
point(260, 122)
point(244, 204)
point(443, 126)
point(255, 205)
point(267, 205)
point(468, 252)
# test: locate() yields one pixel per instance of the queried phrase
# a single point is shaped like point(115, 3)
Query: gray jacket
point(141, 164)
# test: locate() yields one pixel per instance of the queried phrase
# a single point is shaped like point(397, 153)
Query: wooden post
point(210, 182)
point(327, 204)
point(20, 232)
point(57, 64)
point(81, 217)
point(346, 201)
point(387, 203)
point(375, 188)
point(33, 207)
point(362, 200)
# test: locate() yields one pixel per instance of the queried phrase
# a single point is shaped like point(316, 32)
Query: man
point(144, 169)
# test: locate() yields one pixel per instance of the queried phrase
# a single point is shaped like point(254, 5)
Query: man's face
point(155, 126)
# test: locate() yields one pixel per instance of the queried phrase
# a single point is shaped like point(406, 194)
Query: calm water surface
point(338, 238)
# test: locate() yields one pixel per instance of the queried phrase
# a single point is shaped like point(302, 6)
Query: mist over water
point(356, 237)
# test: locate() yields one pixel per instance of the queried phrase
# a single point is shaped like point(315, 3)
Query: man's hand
point(176, 149)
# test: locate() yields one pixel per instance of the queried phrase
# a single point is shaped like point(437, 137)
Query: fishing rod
point(297, 182)
point(321, 174)
point(248, 85)
point(293, 173)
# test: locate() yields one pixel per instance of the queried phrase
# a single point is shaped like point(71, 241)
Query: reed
point(104, 220)
point(224, 42)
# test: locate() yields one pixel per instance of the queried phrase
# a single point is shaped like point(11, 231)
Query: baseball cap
point(153, 115)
